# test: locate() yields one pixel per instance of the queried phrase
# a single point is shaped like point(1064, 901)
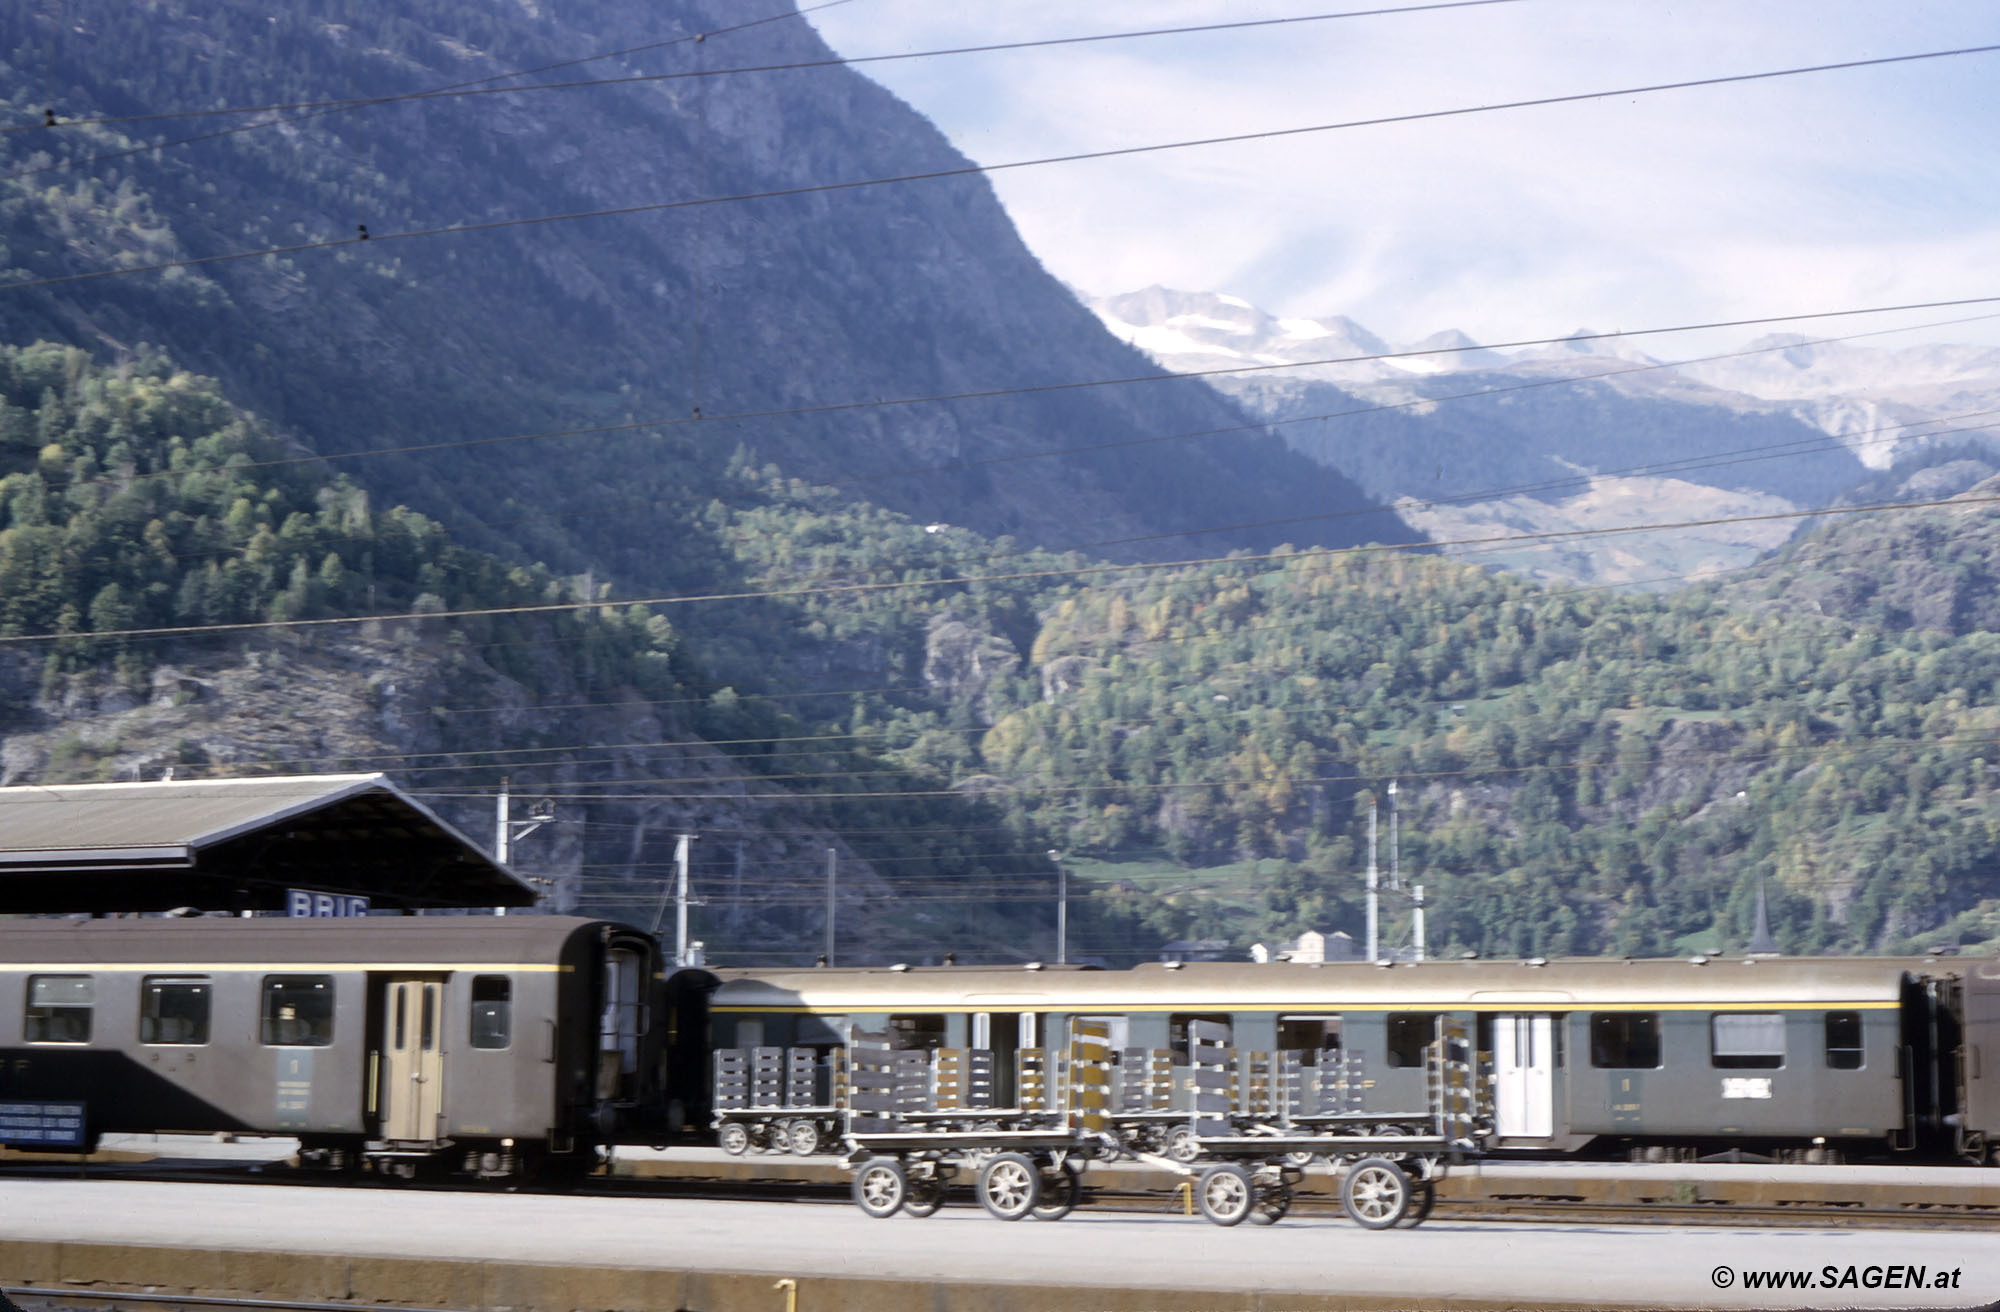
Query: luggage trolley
point(906, 1142)
point(1253, 1167)
point(777, 1099)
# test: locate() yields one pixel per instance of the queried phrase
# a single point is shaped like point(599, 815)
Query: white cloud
point(1836, 188)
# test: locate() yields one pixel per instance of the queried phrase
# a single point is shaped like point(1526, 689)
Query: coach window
point(298, 1011)
point(1410, 1032)
point(1309, 1034)
point(1177, 1029)
point(1625, 1040)
point(1843, 1040)
point(1747, 1041)
point(58, 1009)
point(492, 1011)
point(173, 1010)
point(917, 1033)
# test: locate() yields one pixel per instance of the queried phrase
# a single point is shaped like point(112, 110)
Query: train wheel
point(881, 1186)
point(803, 1138)
point(925, 1196)
point(1424, 1199)
point(735, 1140)
point(1061, 1188)
point(1009, 1186)
point(1225, 1194)
point(1181, 1145)
point(1375, 1194)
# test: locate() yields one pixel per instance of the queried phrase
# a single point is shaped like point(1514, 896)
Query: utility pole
point(1062, 908)
point(1373, 898)
point(832, 860)
point(506, 829)
point(1418, 927)
point(1395, 862)
point(681, 852)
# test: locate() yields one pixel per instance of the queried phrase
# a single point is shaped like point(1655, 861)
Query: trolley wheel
point(802, 1137)
point(1061, 1188)
point(1009, 1186)
point(1423, 1201)
point(735, 1140)
point(1375, 1193)
point(881, 1186)
point(1273, 1201)
point(924, 1196)
point(1391, 1132)
point(1301, 1160)
point(1181, 1145)
point(1225, 1193)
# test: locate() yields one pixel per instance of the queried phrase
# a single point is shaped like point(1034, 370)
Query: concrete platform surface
point(1497, 1264)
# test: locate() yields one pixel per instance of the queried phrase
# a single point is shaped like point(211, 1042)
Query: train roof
point(1480, 984)
point(269, 942)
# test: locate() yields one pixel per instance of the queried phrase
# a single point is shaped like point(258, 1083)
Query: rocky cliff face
point(692, 331)
point(414, 704)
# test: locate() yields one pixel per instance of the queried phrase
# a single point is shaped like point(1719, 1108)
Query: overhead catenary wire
point(840, 407)
point(465, 89)
point(562, 754)
point(1798, 446)
point(570, 760)
point(972, 170)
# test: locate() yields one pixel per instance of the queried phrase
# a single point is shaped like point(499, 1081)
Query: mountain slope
point(681, 319)
point(1472, 443)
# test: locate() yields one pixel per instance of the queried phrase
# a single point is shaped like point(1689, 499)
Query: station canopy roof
point(237, 845)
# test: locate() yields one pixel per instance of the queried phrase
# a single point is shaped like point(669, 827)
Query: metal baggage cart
point(1253, 1166)
point(905, 1148)
point(777, 1099)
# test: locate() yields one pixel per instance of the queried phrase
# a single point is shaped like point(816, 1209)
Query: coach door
point(412, 1059)
point(1524, 1077)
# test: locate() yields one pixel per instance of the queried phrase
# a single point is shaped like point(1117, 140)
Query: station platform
point(639, 1251)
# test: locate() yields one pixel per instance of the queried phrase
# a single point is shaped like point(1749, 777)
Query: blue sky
point(1826, 191)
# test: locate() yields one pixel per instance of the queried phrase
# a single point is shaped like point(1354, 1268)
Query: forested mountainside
point(136, 497)
point(675, 335)
point(922, 643)
point(1581, 771)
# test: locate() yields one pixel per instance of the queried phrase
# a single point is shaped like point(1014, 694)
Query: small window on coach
point(492, 1011)
point(173, 1011)
point(1843, 1041)
point(1177, 1030)
point(921, 1032)
point(297, 1011)
point(1747, 1040)
point(1409, 1033)
point(59, 1008)
point(1625, 1040)
point(1309, 1034)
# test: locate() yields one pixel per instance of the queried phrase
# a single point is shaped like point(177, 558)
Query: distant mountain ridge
point(1470, 442)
